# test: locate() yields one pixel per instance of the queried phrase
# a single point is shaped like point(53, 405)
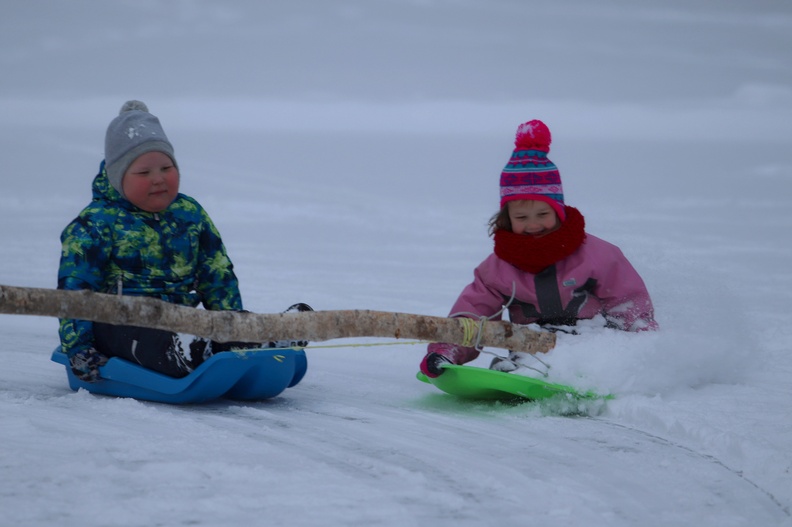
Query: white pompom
point(133, 105)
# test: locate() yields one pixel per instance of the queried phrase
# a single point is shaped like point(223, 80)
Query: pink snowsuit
point(595, 279)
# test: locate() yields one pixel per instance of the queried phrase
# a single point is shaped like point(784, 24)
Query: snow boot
point(299, 307)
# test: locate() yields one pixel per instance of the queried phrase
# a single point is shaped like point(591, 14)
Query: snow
point(349, 153)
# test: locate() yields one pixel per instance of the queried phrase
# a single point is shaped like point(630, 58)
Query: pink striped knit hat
point(529, 174)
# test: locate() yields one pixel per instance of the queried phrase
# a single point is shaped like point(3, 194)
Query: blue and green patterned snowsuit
point(175, 255)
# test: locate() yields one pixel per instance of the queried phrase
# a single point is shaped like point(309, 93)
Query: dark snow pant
point(157, 349)
point(154, 349)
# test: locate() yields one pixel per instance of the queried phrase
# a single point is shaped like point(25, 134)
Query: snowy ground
point(349, 152)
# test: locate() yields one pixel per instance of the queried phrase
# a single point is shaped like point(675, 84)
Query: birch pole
point(227, 326)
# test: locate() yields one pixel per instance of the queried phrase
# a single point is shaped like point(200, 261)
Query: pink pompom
point(533, 135)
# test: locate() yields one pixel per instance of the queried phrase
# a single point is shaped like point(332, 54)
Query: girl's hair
point(500, 221)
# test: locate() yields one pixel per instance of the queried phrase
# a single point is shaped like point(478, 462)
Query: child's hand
point(440, 353)
point(85, 364)
point(432, 364)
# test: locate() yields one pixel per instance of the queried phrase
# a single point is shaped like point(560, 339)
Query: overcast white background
point(349, 153)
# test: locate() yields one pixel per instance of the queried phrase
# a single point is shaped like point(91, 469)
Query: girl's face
point(532, 218)
point(151, 182)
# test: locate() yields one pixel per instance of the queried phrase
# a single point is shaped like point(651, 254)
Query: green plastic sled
point(470, 382)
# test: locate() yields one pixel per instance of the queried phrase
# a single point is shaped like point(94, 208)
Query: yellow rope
point(470, 329)
point(367, 345)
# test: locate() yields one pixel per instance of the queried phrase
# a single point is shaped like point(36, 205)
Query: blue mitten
point(85, 364)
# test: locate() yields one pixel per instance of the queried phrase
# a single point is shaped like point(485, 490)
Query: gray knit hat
point(133, 133)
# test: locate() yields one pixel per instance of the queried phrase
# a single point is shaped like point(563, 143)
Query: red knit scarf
point(536, 254)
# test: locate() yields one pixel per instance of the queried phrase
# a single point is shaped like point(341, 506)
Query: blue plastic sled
point(242, 375)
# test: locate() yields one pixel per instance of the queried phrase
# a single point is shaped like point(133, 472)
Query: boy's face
point(151, 182)
point(532, 218)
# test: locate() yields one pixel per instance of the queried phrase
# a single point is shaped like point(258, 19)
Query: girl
point(140, 236)
point(556, 272)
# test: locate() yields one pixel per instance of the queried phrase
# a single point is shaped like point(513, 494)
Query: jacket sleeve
point(84, 255)
point(454, 353)
point(479, 298)
point(625, 299)
point(216, 282)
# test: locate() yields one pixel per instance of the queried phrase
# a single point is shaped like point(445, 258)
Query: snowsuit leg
point(154, 349)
